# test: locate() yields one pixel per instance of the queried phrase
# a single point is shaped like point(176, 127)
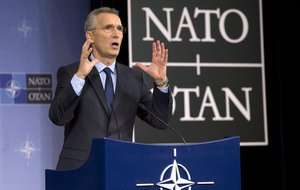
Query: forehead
point(108, 18)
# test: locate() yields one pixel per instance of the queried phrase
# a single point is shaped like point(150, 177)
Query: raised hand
point(158, 67)
point(86, 65)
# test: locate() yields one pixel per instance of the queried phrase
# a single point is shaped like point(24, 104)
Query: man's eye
point(119, 28)
point(108, 27)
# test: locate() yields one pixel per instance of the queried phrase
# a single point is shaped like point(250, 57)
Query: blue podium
point(119, 165)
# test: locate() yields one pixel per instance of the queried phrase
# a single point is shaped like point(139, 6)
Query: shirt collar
point(100, 66)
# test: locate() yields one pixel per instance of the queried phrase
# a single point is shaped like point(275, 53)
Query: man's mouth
point(115, 45)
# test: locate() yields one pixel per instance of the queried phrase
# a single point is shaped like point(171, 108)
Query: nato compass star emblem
point(13, 89)
point(27, 149)
point(172, 178)
point(24, 28)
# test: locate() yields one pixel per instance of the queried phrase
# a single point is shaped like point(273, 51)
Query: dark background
point(263, 167)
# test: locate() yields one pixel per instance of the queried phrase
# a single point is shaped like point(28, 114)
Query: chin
point(115, 53)
point(113, 56)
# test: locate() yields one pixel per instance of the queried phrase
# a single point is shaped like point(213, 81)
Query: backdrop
point(36, 37)
point(216, 66)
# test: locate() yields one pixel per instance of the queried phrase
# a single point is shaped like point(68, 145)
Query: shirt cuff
point(77, 84)
point(163, 89)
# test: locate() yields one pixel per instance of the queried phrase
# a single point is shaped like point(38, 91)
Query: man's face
point(107, 36)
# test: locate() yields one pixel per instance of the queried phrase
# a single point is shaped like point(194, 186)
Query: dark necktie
point(109, 89)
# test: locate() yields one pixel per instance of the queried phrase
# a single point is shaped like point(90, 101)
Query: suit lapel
point(122, 83)
point(95, 81)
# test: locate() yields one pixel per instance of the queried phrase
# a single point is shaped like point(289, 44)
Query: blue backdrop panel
point(36, 37)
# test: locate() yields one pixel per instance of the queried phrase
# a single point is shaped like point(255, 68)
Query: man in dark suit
point(80, 103)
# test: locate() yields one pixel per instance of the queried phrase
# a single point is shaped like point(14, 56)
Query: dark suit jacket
point(86, 116)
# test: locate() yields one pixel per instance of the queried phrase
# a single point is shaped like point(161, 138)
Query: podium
point(119, 165)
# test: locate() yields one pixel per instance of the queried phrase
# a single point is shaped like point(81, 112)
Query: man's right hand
point(85, 65)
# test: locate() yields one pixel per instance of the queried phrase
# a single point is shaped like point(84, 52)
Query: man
point(80, 103)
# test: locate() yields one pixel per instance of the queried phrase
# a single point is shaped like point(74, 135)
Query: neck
point(106, 60)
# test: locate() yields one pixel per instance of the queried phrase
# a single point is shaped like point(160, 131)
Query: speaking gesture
point(158, 67)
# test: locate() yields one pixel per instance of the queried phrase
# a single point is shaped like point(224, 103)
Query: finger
point(158, 47)
point(94, 62)
point(86, 50)
point(89, 51)
point(87, 45)
point(163, 50)
point(154, 50)
point(166, 56)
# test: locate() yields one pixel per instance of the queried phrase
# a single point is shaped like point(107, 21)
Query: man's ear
point(89, 35)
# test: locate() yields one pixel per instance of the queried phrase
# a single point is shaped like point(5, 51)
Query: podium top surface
point(108, 140)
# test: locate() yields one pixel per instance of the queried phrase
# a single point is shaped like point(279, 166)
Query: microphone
point(169, 127)
point(116, 121)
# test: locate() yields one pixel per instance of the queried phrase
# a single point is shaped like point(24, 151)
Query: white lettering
point(209, 101)
point(244, 110)
point(245, 27)
point(39, 81)
point(39, 96)
point(187, 22)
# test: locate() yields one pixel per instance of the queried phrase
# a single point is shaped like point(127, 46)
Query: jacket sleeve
point(159, 103)
point(62, 107)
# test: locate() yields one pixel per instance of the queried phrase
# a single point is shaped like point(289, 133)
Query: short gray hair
point(91, 20)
